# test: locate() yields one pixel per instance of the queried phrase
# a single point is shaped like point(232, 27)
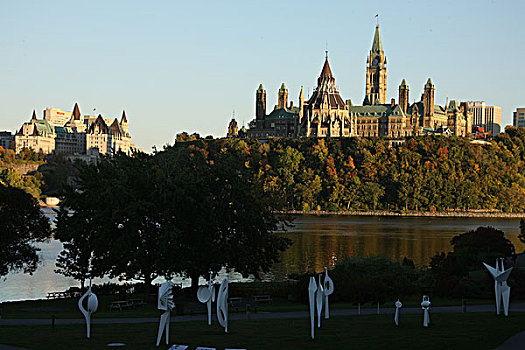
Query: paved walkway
point(255, 316)
point(516, 342)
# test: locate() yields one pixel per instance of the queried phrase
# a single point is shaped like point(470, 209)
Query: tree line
point(428, 173)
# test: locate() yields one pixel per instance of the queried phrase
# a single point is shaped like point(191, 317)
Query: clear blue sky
point(184, 66)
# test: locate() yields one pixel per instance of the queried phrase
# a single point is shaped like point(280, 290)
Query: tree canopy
point(188, 209)
point(21, 225)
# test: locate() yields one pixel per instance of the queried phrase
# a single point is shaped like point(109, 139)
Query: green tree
point(21, 225)
point(218, 208)
point(126, 235)
point(481, 245)
point(521, 236)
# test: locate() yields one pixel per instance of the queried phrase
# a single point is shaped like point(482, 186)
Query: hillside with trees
point(428, 173)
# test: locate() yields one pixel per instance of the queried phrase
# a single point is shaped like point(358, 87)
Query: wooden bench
point(137, 302)
point(120, 305)
point(194, 307)
point(56, 295)
point(237, 304)
point(262, 298)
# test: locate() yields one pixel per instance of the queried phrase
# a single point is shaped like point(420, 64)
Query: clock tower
point(375, 88)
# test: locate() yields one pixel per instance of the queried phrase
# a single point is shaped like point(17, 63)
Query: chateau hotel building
point(326, 113)
point(71, 133)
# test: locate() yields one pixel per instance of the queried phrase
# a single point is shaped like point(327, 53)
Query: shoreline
point(451, 214)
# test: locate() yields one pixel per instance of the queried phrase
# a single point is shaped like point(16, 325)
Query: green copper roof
point(283, 113)
point(378, 110)
point(283, 87)
point(429, 83)
point(377, 47)
point(404, 83)
point(261, 88)
point(44, 128)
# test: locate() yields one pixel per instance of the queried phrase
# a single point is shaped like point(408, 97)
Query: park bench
point(137, 302)
point(237, 304)
point(120, 305)
point(262, 298)
point(194, 307)
point(56, 295)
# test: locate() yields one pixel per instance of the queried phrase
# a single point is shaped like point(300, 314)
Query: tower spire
point(377, 47)
point(34, 115)
point(76, 112)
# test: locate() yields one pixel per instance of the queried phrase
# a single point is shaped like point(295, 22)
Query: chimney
point(291, 104)
point(392, 102)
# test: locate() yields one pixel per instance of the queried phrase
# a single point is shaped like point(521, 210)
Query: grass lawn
point(447, 331)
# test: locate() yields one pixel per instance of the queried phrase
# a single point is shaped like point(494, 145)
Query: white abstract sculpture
point(222, 305)
point(319, 296)
point(165, 303)
point(502, 290)
point(328, 290)
point(425, 305)
point(92, 306)
point(207, 295)
point(398, 305)
point(312, 288)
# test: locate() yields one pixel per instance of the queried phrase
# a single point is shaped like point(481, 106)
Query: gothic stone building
point(326, 113)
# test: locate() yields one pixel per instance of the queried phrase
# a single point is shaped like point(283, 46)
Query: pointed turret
point(403, 96)
point(326, 72)
point(260, 105)
point(429, 83)
point(282, 97)
point(123, 119)
point(326, 79)
point(301, 104)
point(76, 112)
point(377, 47)
point(34, 115)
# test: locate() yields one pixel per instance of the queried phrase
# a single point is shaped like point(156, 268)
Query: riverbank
point(447, 214)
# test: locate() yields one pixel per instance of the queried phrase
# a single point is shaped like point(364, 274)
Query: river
point(318, 241)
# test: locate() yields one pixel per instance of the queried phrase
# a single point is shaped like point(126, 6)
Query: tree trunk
point(147, 283)
point(194, 282)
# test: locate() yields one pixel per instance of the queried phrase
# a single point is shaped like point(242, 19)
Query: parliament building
point(325, 113)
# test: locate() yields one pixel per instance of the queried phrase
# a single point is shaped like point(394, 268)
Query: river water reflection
point(318, 241)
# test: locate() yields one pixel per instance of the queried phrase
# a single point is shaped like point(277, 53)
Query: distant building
point(7, 140)
point(518, 118)
point(71, 133)
point(488, 117)
point(233, 129)
point(326, 113)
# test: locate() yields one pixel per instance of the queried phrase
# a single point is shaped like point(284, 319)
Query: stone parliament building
point(326, 113)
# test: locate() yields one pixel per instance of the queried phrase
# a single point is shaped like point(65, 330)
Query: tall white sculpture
point(92, 306)
point(165, 303)
point(425, 305)
point(501, 288)
point(222, 305)
point(328, 290)
point(312, 288)
point(207, 295)
point(398, 305)
point(319, 296)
